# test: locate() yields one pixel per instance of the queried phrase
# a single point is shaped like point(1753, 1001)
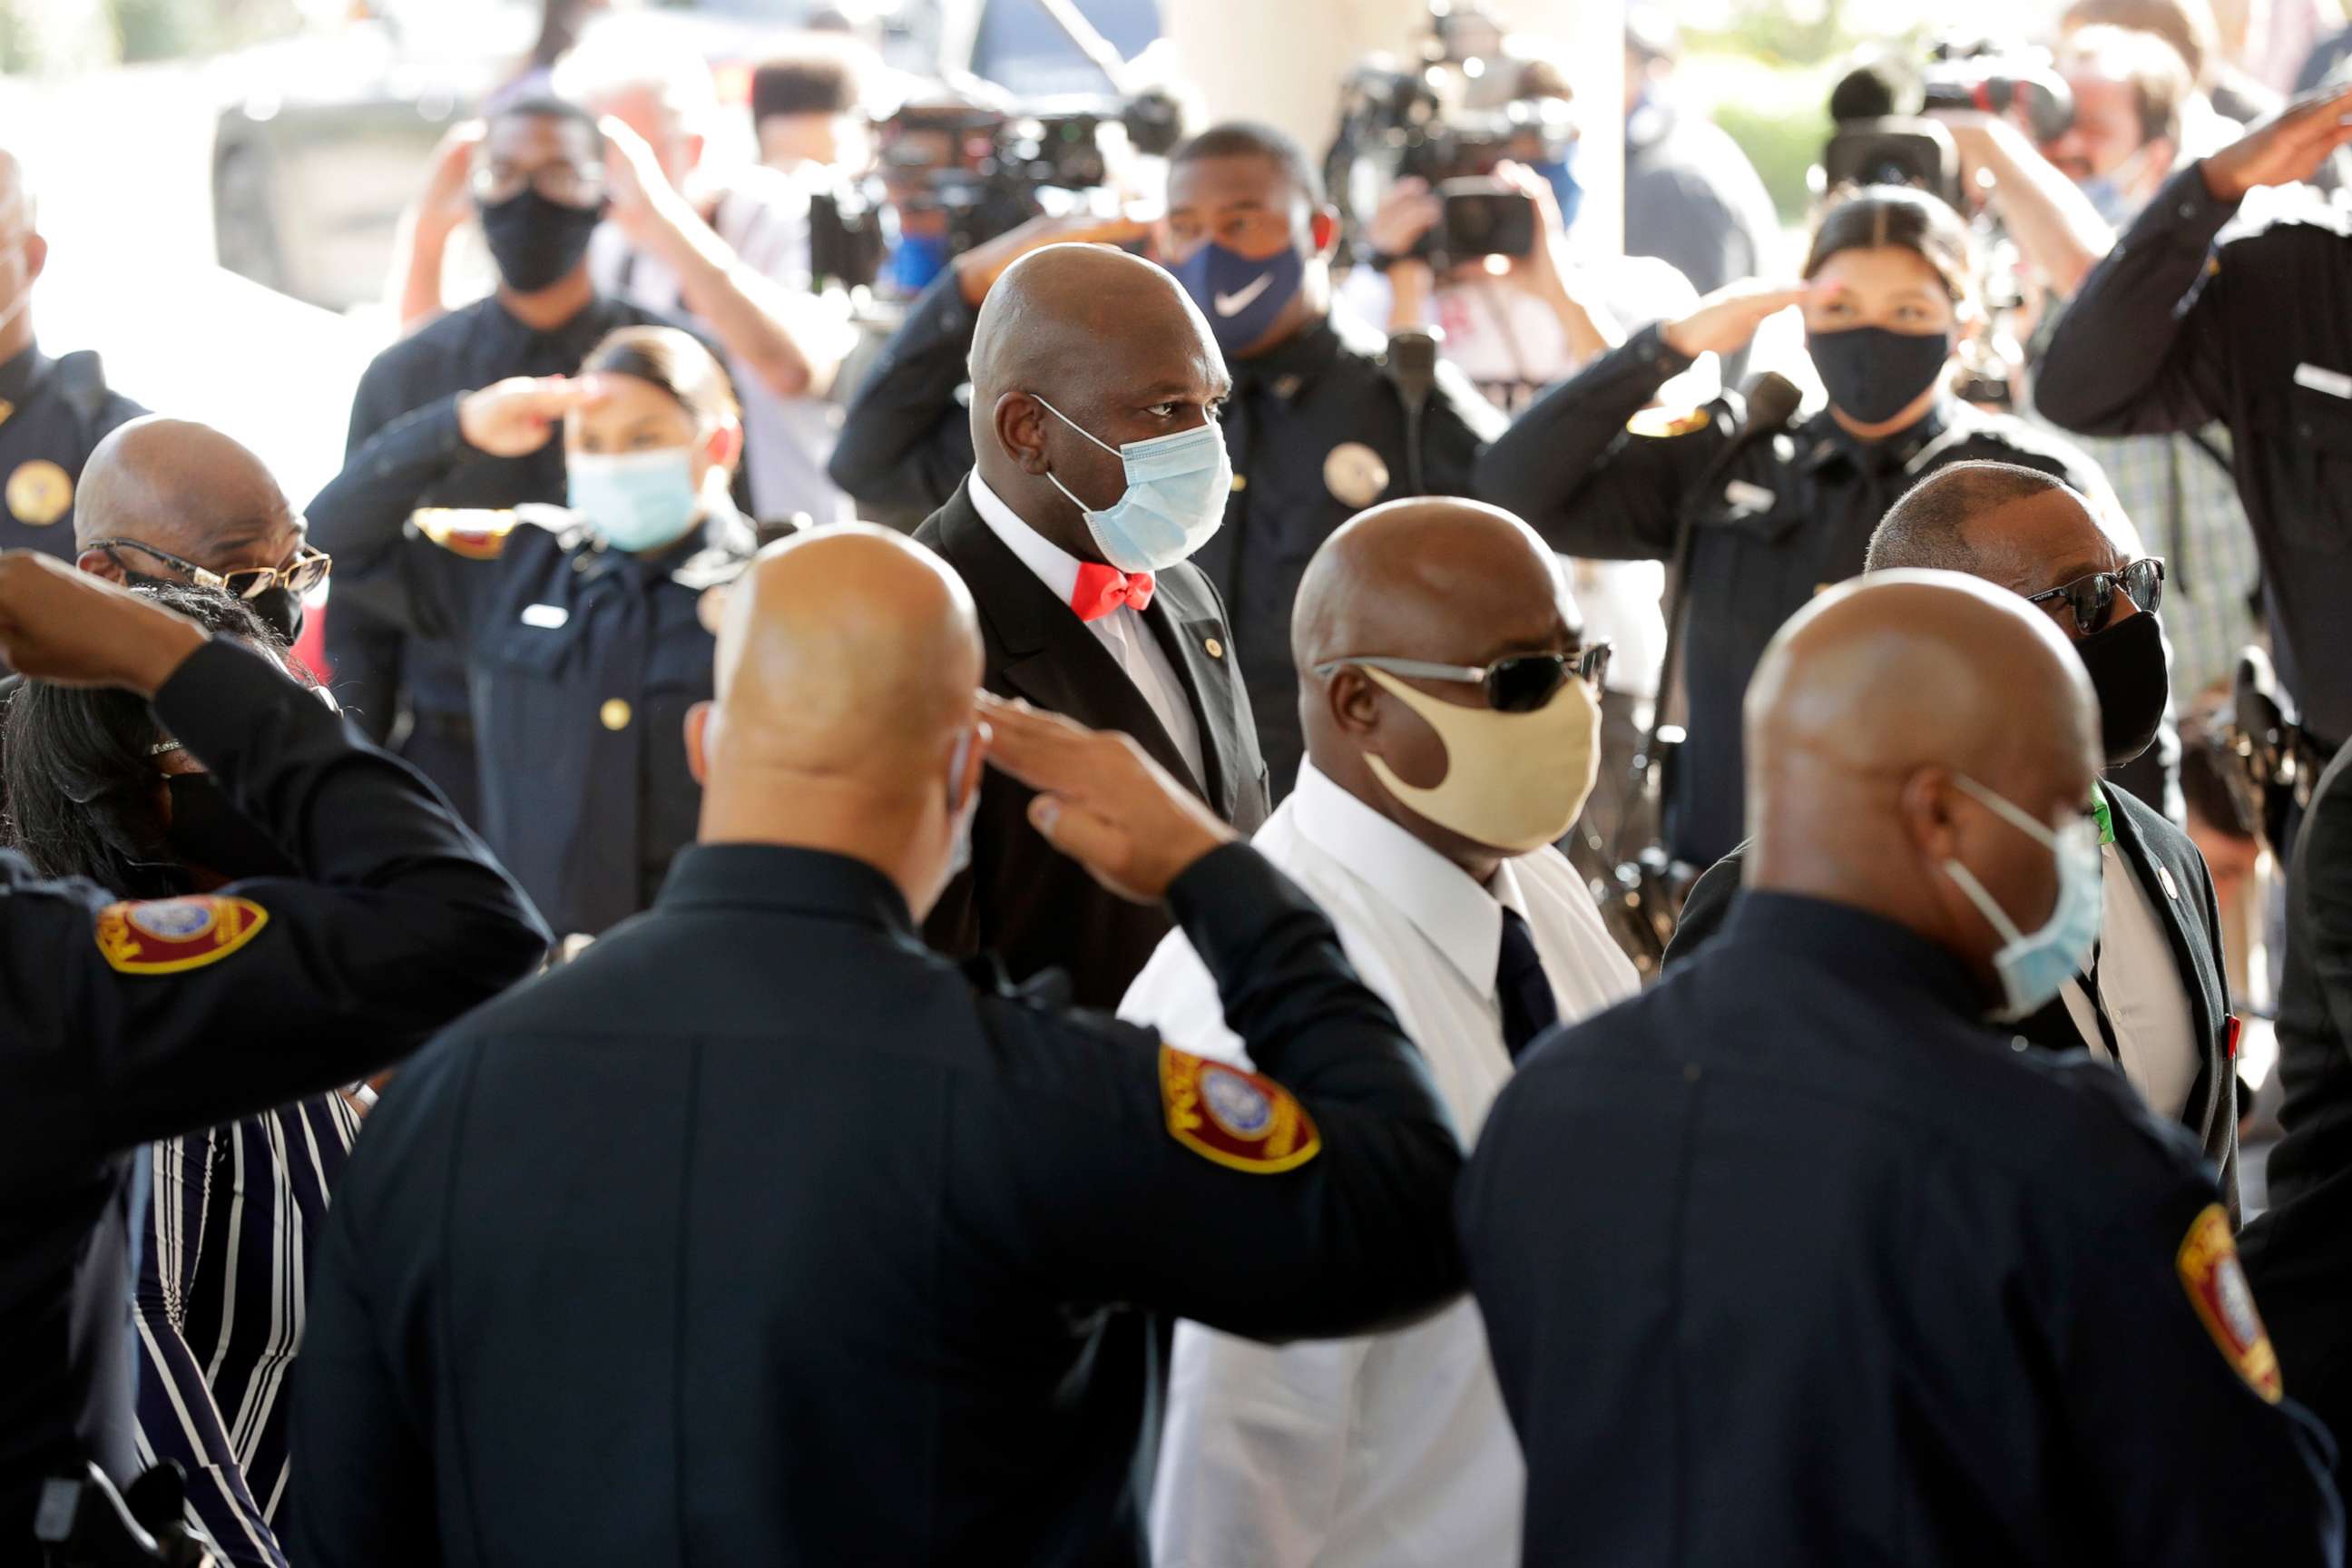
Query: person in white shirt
point(1450, 711)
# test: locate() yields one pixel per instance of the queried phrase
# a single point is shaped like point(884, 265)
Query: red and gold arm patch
point(1237, 1119)
point(2216, 1283)
point(164, 936)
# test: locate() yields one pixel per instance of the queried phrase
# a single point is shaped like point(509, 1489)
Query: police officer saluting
point(53, 412)
point(1316, 428)
point(758, 1235)
point(121, 1022)
point(586, 629)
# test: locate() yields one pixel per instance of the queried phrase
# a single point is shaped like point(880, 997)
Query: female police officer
point(1889, 294)
point(588, 628)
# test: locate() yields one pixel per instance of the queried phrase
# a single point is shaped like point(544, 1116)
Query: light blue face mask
point(2033, 967)
point(1175, 498)
point(636, 500)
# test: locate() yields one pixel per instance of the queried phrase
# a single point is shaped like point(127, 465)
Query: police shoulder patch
point(1239, 1120)
point(2216, 1283)
point(1659, 423)
point(477, 533)
point(164, 936)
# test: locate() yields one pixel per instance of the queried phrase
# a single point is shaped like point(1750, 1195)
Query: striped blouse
point(218, 1311)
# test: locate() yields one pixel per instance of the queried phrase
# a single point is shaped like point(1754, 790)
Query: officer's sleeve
point(1458, 426)
point(906, 442)
point(1311, 1200)
point(138, 1021)
point(1706, 908)
point(360, 520)
point(2321, 893)
point(2170, 1388)
point(2143, 347)
point(1570, 467)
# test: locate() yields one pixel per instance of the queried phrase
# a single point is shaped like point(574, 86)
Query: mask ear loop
point(1055, 479)
point(1986, 905)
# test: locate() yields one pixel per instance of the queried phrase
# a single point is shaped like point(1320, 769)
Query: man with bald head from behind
point(1862, 1283)
point(1450, 702)
point(759, 1234)
point(53, 412)
point(1099, 468)
point(173, 501)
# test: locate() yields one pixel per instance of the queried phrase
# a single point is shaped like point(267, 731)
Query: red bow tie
point(1102, 589)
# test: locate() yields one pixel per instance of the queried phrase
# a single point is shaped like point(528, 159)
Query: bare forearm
point(750, 315)
point(2056, 227)
point(422, 248)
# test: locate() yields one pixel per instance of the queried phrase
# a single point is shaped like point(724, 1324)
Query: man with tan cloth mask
point(1449, 700)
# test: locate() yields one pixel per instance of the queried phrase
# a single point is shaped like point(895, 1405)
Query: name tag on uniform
point(1744, 498)
point(549, 617)
point(2334, 382)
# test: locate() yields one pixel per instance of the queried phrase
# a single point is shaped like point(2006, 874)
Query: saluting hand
point(1101, 801)
point(68, 627)
point(2289, 147)
point(513, 418)
point(1726, 320)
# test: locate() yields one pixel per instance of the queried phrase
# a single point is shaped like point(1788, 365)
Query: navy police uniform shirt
point(2169, 332)
point(758, 1235)
point(581, 662)
point(53, 413)
point(1600, 474)
point(1316, 431)
point(125, 1022)
point(1862, 1282)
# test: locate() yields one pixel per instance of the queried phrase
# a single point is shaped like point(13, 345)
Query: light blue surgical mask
point(2032, 967)
point(1175, 496)
point(960, 853)
point(635, 501)
point(2110, 193)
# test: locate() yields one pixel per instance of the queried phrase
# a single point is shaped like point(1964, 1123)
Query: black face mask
point(281, 610)
point(1873, 374)
point(535, 241)
point(207, 831)
point(2127, 666)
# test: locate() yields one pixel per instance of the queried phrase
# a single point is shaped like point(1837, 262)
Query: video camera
point(1881, 139)
point(1399, 122)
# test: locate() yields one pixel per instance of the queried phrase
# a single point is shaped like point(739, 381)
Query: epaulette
point(82, 382)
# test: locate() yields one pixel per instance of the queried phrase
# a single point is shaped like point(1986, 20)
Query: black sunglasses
point(305, 571)
point(1518, 684)
point(2093, 598)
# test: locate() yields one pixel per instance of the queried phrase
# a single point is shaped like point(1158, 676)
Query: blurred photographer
point(2063, 203)
point(1692, 198)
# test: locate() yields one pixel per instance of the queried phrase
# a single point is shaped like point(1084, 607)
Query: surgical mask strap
point(1080, 429)
point(2001, 807)
point(1986, 905)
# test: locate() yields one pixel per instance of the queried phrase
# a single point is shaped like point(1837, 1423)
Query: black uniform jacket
point(756, 1234)
point(1314, 429)
point(582, 662)
point(53, 413)
point(472, 346)
point(1790, 515)
point(121, 1023)
point(2173, 876)
point(1031, 906)
point(1866, 1285)
point(2169, 333)
point(2299, 1255)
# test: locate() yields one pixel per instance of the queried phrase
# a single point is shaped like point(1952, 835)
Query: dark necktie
point(1528, 1006)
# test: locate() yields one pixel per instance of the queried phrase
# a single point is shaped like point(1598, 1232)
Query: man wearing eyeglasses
point(1450, 707)
point(2153, 999)
point(53, 412)
point(539, 189)
point(171, 500)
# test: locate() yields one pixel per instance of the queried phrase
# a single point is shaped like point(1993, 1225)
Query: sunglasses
point(2093, 598)
point(308, 569)
point(1519, 684)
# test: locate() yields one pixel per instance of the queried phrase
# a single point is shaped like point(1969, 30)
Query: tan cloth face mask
point(1514, 781)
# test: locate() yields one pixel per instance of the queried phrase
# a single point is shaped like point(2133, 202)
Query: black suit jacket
point(2192, 926)
point(1034, 908)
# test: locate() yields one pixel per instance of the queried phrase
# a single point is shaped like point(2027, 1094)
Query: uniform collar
point(21, 374)
point(582, 330)
point(1883, 954)
point(1824, 442)
point(710, 553)
point(1461, 919)
point(1046, 560)
point(782, 878)
point(1291, 363)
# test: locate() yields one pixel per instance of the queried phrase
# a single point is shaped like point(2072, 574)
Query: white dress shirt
point(1391, 1448)
point(2140, 987)
point(1133, 646)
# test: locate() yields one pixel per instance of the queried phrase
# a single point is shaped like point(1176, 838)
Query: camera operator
point(1317, 428)
point(2169, 333)
point(2131, 91)
point(1890, 293)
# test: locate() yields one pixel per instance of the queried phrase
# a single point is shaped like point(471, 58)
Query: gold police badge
point(40, 493)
